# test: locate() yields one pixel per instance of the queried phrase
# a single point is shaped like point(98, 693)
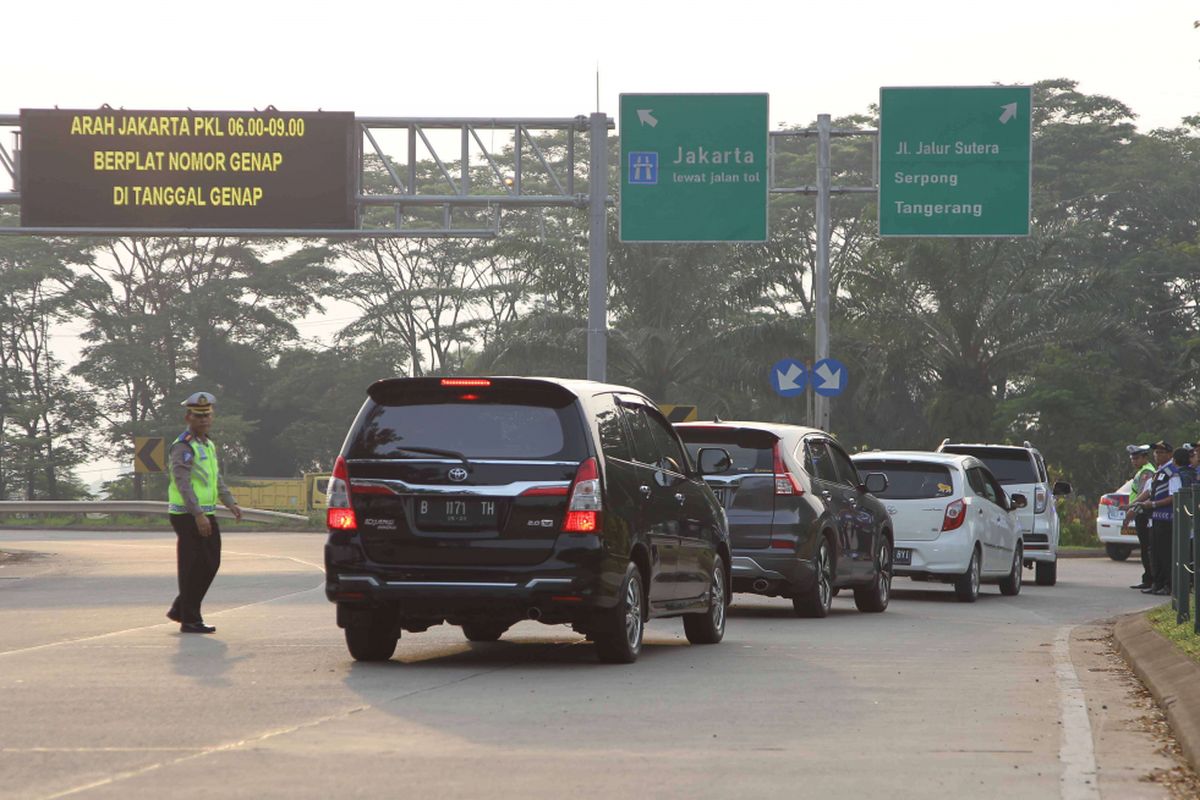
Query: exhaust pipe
point(534, 613)
point(761, 585)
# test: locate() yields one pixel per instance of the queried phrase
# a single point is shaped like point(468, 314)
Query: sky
point(474, 59)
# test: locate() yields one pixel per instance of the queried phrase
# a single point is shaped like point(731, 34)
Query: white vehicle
point(1119, 541)
point(951, 519)
point(1023, 470)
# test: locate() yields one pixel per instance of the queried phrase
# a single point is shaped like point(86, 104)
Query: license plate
point(450, 512)
point(722, 495)
point(1116, 513)
point(902, 556)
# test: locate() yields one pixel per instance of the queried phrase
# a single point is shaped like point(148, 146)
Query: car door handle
point(679, 497)
point(645, 490)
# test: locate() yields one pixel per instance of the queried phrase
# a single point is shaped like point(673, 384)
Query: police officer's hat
point(200, 404)
point(1163, 445)
point(1137, 449)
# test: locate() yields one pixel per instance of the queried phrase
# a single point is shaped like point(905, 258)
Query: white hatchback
point(951, 519)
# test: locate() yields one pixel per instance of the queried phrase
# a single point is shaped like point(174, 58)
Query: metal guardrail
point(152, 507)
point(1185, 557)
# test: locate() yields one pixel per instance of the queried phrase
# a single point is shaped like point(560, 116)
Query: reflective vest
point(1137, 486)
point(204, 476)
point(1161, 489)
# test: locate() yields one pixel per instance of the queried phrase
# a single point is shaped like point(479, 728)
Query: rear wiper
point(433, 451)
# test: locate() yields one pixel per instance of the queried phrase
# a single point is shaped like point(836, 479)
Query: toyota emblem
point(458, 474)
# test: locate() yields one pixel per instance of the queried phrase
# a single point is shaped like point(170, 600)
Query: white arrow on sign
point(787, 380)
point(647, 118)
point(1010, 111)
point(830, 379)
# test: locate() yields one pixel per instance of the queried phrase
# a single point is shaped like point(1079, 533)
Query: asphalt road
point(100, 696)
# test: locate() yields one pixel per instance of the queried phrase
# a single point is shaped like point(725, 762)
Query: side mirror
point(713, 460)
point(876, 483)
point(1062, 488)
point(1017, 501)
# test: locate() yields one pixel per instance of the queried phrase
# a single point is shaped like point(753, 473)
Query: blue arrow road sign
point(829, 377)
point(788, 377)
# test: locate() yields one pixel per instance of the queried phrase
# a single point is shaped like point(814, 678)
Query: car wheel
point(709, 627)
point(966, 586)
point(837, 590)
point(1118, 552)
point(1011, 583)
point(483, 631)
point(1047, 573)
point(873, 598)
point(816, 601)
point(373, 642)
point(619, 630)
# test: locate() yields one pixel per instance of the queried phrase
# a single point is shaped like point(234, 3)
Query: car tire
point(966, 586)
point(873, 598)
point(1118, 552)
point(1046, 573)
point(373, 642)
point(619, 630)
point(836, 591)
point(709, 627)
point(483, 631)
point(1010, 584)
point(817, 599)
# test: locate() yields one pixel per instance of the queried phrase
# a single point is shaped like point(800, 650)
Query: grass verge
point(1162, 619)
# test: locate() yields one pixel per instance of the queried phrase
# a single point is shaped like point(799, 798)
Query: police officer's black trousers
point(1160, 553)
point(1141, 523)
point(198, 559)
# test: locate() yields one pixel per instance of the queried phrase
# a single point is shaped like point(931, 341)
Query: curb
point(1171, 677)
point(1091, 552)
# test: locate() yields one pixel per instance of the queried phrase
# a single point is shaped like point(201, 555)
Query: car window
point(846, 473)
point(751, 451)
point(665, 440)
point(822, 465)
point(477, 429)
point(1008, 464)
point(983, 485)
point(1041, 466)
point(614, 441)
point(996, 489)
point(645, 448)
point(909, 480)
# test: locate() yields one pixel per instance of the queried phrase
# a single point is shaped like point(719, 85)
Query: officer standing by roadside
point(1158, 497)
point(196, 485)
point(1139, 457)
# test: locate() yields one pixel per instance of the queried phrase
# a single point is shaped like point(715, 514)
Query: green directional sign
point(955, 161)
point(693, 167)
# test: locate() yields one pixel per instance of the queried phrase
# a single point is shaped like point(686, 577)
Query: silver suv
point(1022, 470)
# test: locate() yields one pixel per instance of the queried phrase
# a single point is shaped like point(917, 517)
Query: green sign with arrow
point(955, 161)
point(693, 167)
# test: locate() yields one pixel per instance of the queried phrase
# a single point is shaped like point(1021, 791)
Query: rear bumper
point(949, 554)
point(557, 588)
point(1110, 531)
point(783, 571)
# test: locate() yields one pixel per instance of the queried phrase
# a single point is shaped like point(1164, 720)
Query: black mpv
point(484, 501)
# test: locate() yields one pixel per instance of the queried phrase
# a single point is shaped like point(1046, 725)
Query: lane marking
point(272, 734)
point(1076, 752)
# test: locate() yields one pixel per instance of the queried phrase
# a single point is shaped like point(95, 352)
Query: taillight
point(583, 509)
point(1039, 501)
point(956, 512)
point(785, 481)
point(460, 382)
point(1107, 501)
point(339, 513)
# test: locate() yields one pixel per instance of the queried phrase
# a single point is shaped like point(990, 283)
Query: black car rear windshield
point(909, 481)
point(751, 450)
point(1009, 465)
point(475, 428)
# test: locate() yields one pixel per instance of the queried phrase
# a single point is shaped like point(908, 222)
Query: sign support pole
point(821, 266)
point(597, 324)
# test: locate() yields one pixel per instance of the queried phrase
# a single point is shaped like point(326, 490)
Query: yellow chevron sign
point(678, 413)
point(148, 454)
